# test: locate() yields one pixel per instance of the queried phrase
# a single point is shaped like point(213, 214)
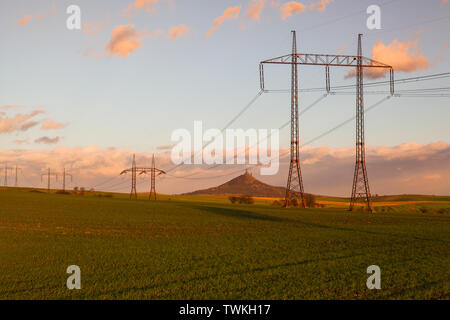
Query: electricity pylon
point(153, 170)
point(64, 174)
point(133, 171)
point(49, 174)
point(360, 188)
point(16, 182)
point(6, 173)
point(294, 188)
point(142, 170)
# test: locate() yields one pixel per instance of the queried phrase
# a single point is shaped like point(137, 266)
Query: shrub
point(310, 200)
point(232, 199)
point(423, 210)
point(246, 200)
point(241, 199)
point(276, 203)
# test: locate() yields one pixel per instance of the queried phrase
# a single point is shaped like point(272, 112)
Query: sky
point(139, 69)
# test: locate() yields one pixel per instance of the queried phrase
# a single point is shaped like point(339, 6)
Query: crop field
point(207, 248)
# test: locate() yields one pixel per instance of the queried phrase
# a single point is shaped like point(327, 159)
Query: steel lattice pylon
point(49, 174)
point(360, 189)
point(294, 188)
point(6, 174)
point(16, 181)
point(152, 186)
point(133, 171)
point(360, 183)
point(153, 170)
point(64, 174)
point(143, 170)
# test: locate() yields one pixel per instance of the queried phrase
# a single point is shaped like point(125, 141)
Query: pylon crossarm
point(326, 60)
point(149, 170)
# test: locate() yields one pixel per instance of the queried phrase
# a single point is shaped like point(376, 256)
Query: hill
point(244, 184)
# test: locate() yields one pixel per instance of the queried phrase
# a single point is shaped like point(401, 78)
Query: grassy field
point(206, 248)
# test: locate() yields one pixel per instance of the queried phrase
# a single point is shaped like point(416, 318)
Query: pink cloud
point(176, 32)
point(165, 147)
point(402, 56)
point(50, 124)
point(53, 9)
point(6, 107)
point(24, 21)
point(47, 140)
point(231, 13)
point(294, 7)
point(28, 18)
point(342, 47)
point(291, 7)
point(255, 7)
point(133, 8)
point(21, 141)
point(124, 41)
point(322, 4)
point(92, 29)
point(19, 122)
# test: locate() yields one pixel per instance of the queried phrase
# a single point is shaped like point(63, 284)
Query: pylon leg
point(294, 188)
point(360, 189)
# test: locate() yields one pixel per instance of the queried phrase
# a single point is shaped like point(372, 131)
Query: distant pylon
point(294, 189)
point(143, 170)
point(16, 182)
point(6, 173)
point(360, 189)
point(64, 174)
point(153, 171)
point(49, 174)
point(152, 186)
point(133, 171)
point(133, 179)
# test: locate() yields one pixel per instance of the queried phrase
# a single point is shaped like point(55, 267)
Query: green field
point(206, 248)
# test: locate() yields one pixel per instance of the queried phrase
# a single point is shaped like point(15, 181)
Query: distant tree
point(75, 189)
point(310, 200)
point(232, 199)
point(82, 191)
point(246, 200)
point(276, 203)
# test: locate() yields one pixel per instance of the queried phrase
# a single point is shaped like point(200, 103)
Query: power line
point(345, 17)
point(430, 77)
point(246, 107)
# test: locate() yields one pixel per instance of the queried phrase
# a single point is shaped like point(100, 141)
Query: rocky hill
point(245, 184)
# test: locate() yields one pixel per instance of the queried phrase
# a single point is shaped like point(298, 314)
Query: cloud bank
point(406, 168)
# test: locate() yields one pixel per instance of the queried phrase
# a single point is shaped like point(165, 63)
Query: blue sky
point(135, 103)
